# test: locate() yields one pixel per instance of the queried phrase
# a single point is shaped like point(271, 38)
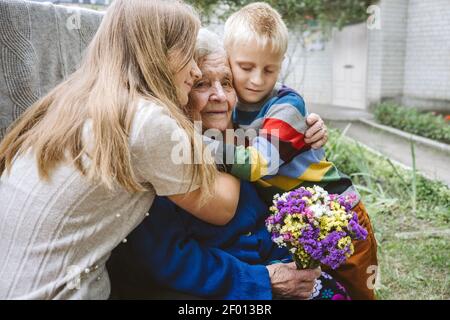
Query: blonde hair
point(127, 59)
point(257, 21)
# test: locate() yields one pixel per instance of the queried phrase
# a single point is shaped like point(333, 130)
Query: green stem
point(414, 179)
point(312, 264)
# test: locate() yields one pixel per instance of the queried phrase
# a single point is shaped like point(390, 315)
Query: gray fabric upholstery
point(40, 45)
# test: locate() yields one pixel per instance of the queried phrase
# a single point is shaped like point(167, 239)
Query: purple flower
point(326, 250)
point(356, 229)
point(280, 203)
point(334, 256)
point(274, 236)
point(269, 220)
point(310, 243)
point(278, 218)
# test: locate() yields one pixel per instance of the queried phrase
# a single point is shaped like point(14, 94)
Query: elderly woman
point(172, 250)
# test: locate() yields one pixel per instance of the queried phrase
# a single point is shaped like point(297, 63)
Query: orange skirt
point(358, 273)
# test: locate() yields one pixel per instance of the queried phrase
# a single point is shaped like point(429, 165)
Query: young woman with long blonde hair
point(81, 167)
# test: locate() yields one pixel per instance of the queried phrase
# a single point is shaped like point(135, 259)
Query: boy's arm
point(280, 139)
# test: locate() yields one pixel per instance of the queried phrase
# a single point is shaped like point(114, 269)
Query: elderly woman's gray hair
point(208, 43)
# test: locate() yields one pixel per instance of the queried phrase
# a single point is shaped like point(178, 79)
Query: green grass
point(424, 124)
point(414, 269)
point(411, 219)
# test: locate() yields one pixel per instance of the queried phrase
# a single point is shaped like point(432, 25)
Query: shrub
point(377, 176)
point(424, 124)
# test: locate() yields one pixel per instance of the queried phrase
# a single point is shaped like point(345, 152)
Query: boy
point(256, 41)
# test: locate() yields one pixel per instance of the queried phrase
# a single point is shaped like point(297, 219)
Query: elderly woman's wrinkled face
point(213, 97)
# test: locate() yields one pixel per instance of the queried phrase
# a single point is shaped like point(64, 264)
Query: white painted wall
point(315, 79)
point(386, 52)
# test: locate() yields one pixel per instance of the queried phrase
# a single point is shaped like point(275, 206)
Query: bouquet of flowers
point(315, 226)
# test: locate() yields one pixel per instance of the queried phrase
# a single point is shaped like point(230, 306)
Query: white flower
point(318, 210)
point(279, 241)
point(320, 190)
point(328, 212)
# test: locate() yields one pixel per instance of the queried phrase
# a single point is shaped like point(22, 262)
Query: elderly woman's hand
point(317, 134)
point(288, 282)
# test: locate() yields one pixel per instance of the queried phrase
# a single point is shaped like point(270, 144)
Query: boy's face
point(255, 71)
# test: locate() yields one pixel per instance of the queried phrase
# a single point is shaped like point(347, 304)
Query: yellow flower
point(344, 242)
point(352, 250)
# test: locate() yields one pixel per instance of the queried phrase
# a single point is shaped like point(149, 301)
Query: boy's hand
point(317, 134)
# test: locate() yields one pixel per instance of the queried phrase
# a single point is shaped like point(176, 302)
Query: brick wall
point(427, 60)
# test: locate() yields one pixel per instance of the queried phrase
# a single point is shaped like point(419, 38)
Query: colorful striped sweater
point(278, 158)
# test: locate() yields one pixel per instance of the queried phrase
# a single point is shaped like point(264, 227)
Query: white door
point(350, 66)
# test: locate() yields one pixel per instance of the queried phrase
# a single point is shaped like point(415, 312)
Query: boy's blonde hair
point(257, 21)
point(128, 59)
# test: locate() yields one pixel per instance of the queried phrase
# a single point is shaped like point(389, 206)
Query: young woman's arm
point(220, 209)
point(157, 160)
